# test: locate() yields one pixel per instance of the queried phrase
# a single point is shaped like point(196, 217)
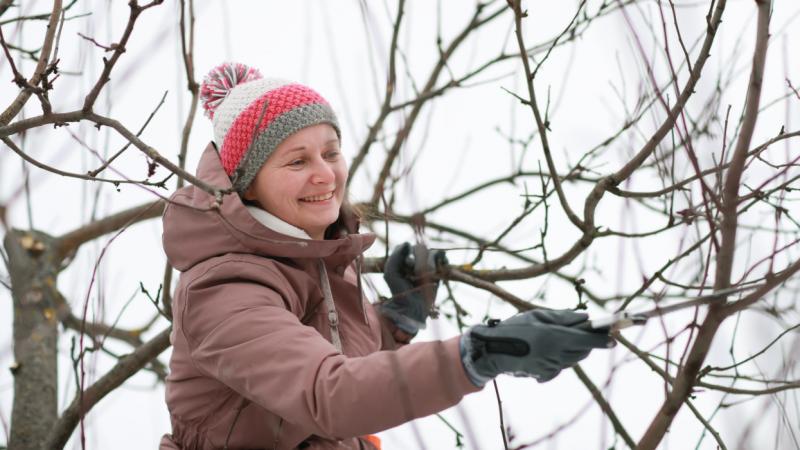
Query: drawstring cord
point(362, 299)
point(235, 419)
point(333, 316)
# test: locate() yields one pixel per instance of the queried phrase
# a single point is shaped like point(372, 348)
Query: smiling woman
point(274, 344)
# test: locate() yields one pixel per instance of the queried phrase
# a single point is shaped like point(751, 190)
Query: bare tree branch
point(187, 50)
point(605, 406)
point(119, 48)
point(516, 5)
point(391, 81)
point(4, 5)
point(683, 383)
point(16, 106)
point(77, 116)
point(475, 22)
point(69, 242)
point(127, 367)
point(593, 199)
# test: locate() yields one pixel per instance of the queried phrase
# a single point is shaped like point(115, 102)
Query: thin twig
point(94, 173)
point(71, 241)
point(605, 406)
point(516, 6)
point(387, 98)
point(10, 144)
point(44, 16)
point(153, 154)
point(118, 49)
point(187, 50)
point(707, 424)
point(16, 106)
point(521, 305)
point(108, 48)
point(475, 23)
point(500, 412)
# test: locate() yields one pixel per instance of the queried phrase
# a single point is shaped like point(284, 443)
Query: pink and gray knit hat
point(252, 115)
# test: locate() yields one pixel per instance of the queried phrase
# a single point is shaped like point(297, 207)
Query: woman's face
point(303, 180)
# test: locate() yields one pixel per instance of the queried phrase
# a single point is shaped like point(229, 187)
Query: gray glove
point(409, 276)
point(536, 343)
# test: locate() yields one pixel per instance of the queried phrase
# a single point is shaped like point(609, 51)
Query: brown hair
point(347, 223)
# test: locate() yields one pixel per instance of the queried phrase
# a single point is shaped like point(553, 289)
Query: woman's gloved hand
point(537, 344)
point(409, 273)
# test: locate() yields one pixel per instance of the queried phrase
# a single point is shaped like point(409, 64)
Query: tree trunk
point(33, 271)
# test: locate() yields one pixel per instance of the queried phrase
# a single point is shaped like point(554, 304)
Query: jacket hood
point(197, 229)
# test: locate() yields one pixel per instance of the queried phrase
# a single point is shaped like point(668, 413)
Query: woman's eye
point(332, 155)
point(296, 163)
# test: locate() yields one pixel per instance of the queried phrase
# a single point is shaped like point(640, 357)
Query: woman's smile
point(318, 199)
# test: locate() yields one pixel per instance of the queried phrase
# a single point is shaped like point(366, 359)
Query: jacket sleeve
point(245, 334)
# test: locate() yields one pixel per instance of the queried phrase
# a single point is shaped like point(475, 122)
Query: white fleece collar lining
point(276, 224)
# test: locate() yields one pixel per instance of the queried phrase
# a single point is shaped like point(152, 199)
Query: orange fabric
point(374, 440)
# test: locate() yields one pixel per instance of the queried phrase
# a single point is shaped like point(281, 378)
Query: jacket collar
point(275, 223)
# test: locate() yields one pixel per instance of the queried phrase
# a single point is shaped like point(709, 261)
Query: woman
point(274, 344)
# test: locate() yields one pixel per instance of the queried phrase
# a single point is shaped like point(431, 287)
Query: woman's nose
point(322, 173)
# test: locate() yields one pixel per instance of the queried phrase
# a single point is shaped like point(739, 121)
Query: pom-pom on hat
point(252, 115)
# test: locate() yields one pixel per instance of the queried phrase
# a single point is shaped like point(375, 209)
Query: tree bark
point(35, 366)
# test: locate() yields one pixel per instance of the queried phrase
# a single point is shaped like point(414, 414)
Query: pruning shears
point(625, 319)
point(421, 263)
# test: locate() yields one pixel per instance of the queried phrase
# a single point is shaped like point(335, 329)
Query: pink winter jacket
point(252, 364)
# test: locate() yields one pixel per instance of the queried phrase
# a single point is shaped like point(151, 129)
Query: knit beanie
point(252, 115)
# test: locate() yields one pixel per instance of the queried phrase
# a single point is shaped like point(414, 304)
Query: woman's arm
point(243, 332)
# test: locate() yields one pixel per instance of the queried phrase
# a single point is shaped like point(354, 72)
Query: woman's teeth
point(317, 198)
